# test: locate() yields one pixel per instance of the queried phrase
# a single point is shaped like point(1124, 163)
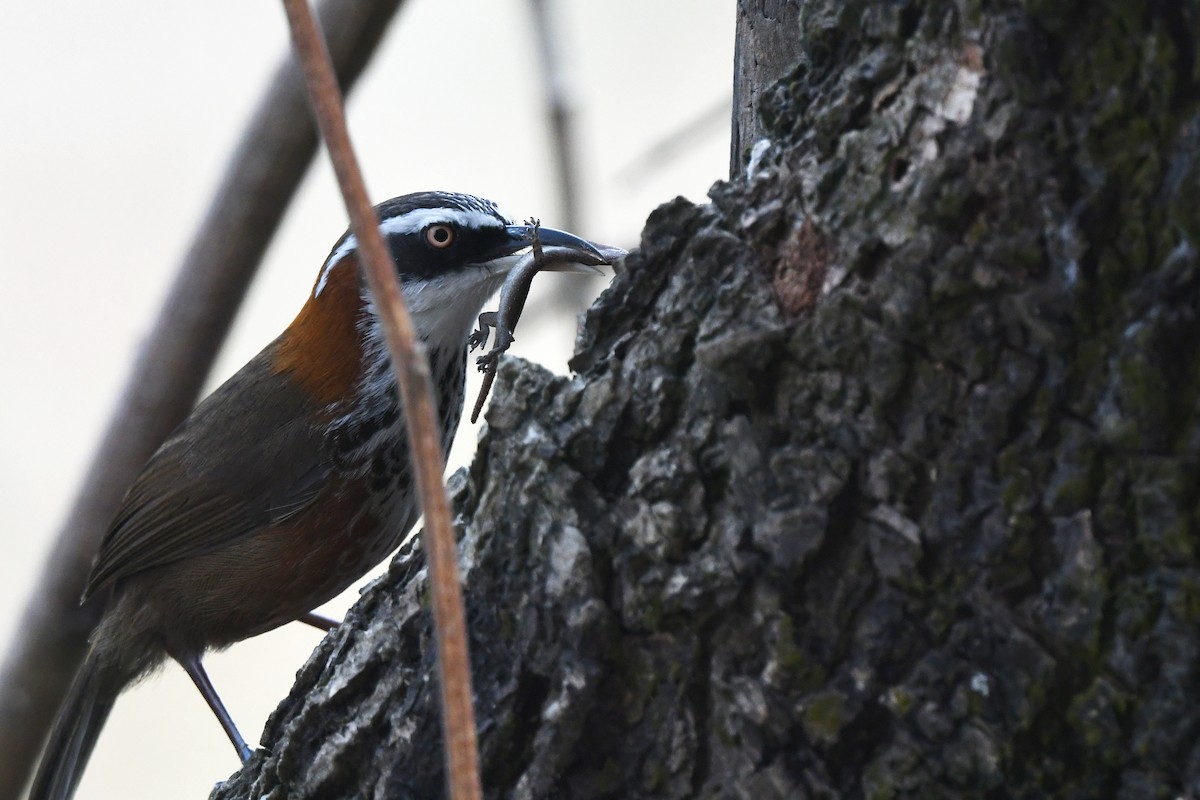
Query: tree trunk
point(879, 477)
point(766, 48)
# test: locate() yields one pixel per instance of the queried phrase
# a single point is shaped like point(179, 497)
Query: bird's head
point(452, 252)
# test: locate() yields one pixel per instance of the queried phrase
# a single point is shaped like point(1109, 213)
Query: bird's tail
point(79, 722)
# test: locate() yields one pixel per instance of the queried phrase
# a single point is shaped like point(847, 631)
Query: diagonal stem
point(412, 371)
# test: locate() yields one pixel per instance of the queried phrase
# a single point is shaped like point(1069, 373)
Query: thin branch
point(261, 178)
point(704, 125)
point(416, 391)
point(556, 92)
point(558, 113)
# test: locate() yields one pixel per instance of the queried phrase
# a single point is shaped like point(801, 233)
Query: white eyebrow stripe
point(411, 222)
point(415, 220)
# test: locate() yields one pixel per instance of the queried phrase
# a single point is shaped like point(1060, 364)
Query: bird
point(293, 478)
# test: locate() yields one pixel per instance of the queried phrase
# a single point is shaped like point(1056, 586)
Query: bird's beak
point(563, 252)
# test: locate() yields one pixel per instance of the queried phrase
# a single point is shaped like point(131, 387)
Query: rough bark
point(879, 474)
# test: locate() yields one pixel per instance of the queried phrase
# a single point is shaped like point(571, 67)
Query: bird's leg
point(194, 669)
point(318, 621)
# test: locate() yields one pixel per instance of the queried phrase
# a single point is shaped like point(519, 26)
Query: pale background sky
point(116, 120)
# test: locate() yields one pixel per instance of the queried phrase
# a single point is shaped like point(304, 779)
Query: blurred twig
point(261, 178)
point(712, 120)
point(558, 114)
point(416, 392)
point(557, 97)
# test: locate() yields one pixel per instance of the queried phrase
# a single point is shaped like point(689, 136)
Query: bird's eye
point(439, 236)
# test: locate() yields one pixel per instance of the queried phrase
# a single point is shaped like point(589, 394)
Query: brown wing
point(245, 459)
